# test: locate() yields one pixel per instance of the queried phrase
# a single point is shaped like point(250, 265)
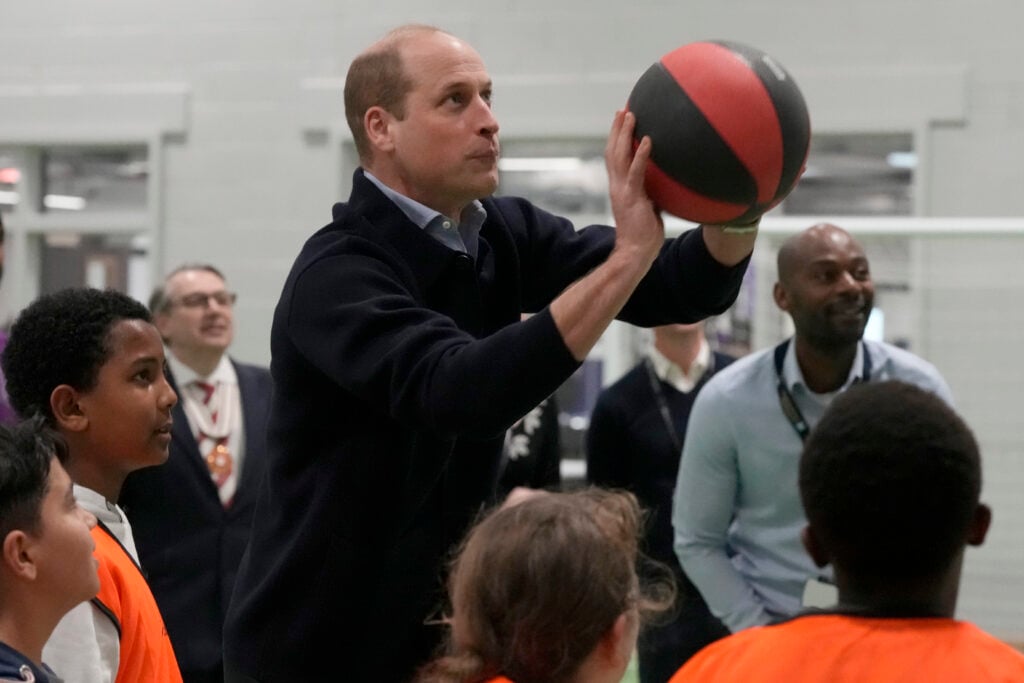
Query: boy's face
point(129, 409)
point(63, 547)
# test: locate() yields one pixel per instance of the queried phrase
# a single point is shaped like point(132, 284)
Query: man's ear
point(980, 523)
point(814, 546)
point(67, 413)
point(160, 321)
point(377, 123)
point(780, 296)
point(17, 555)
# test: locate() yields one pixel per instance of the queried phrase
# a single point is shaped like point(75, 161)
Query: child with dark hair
point(92, 364)
point(546, 591)
point(46, 561)
point(890, 480)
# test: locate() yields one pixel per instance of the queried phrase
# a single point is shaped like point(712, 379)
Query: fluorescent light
point(8, 197)
point(901, 159)
point(540, 163)
point(63, 201)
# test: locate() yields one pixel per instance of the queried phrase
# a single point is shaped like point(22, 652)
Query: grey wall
point(240, 104)
point(249, 112)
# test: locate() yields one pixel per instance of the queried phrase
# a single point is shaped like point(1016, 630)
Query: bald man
point(399, 360)
point(736, 515)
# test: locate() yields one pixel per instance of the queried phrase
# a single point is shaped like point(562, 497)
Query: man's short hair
point(62, 338)
point(890, 480)
point(159, 302)
point(26, 450)
point(378, 78)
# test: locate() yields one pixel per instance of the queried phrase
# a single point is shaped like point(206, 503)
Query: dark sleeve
point(685, 283)
point(606, 442)
point(357, 318)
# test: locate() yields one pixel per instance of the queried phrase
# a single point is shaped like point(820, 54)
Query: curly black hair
point(62, 338)
point(26, 450)
point(890, 480)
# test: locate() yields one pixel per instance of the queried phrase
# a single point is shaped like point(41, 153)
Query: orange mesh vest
point(146, 653)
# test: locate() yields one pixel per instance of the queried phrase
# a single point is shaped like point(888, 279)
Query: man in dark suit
point(192, 516)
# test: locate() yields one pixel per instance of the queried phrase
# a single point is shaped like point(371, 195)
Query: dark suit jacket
point(189, 544)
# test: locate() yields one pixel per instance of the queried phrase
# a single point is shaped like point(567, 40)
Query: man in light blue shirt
point(736, 514)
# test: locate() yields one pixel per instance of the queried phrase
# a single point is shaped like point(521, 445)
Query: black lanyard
point(788, 403)
point(659, 395)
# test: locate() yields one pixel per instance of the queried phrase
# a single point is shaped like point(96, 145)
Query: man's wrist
point(744, 229)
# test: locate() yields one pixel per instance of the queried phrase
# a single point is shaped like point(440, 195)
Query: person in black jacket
point(191, 516)
point(636, 434)
point(399, 360)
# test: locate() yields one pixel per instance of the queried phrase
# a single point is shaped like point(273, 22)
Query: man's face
point(829, 293)
point(444, 152)
point(200, 317)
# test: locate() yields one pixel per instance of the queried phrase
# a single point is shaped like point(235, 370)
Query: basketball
point(730, 132)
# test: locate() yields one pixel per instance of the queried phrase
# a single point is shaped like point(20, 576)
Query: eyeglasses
point(202, 299)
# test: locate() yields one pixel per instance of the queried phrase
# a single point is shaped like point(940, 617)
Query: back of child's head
point(890, 480)
point(62, 338)
point(27, 451)
point(537, 585)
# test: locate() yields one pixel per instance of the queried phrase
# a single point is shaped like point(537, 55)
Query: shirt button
point(447, 225)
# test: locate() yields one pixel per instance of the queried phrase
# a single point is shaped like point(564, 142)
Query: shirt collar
point(672, 374)
point(184, 375)
point(793, 376)
point(421, 215)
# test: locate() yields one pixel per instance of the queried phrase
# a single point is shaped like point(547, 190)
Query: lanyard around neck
point(788, 403)
point(659, 396)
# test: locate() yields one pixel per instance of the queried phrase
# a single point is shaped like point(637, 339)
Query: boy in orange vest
point(890, 479)
point(46, 561)
point(92, 363)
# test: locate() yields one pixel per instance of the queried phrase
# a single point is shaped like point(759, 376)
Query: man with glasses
point(192, 516)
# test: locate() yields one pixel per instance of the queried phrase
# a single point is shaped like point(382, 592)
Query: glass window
point(10, 175)
point(94, 179)
point(867, 174)
point(566, 177)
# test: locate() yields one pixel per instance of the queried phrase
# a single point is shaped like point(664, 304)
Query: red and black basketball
point(729, 128)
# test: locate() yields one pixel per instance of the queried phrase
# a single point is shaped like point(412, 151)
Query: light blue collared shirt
point(463, 236)
point(736, 511)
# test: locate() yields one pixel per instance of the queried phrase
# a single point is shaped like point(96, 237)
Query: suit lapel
point(185, 442)
point(254, 401)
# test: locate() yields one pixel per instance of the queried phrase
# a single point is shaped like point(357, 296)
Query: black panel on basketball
point(688, 149)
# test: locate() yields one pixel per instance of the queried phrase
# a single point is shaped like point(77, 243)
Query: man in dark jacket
point(399, 360)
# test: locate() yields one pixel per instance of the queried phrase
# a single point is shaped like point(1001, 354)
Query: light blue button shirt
point(736, 511)
point(463, 236)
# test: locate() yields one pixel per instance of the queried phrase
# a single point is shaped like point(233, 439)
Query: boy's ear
point(67, 413)
point(17, 555)
point(980, 523)
point(814, 546)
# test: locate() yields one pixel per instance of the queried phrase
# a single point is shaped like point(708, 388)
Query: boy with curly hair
point(92, 364)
